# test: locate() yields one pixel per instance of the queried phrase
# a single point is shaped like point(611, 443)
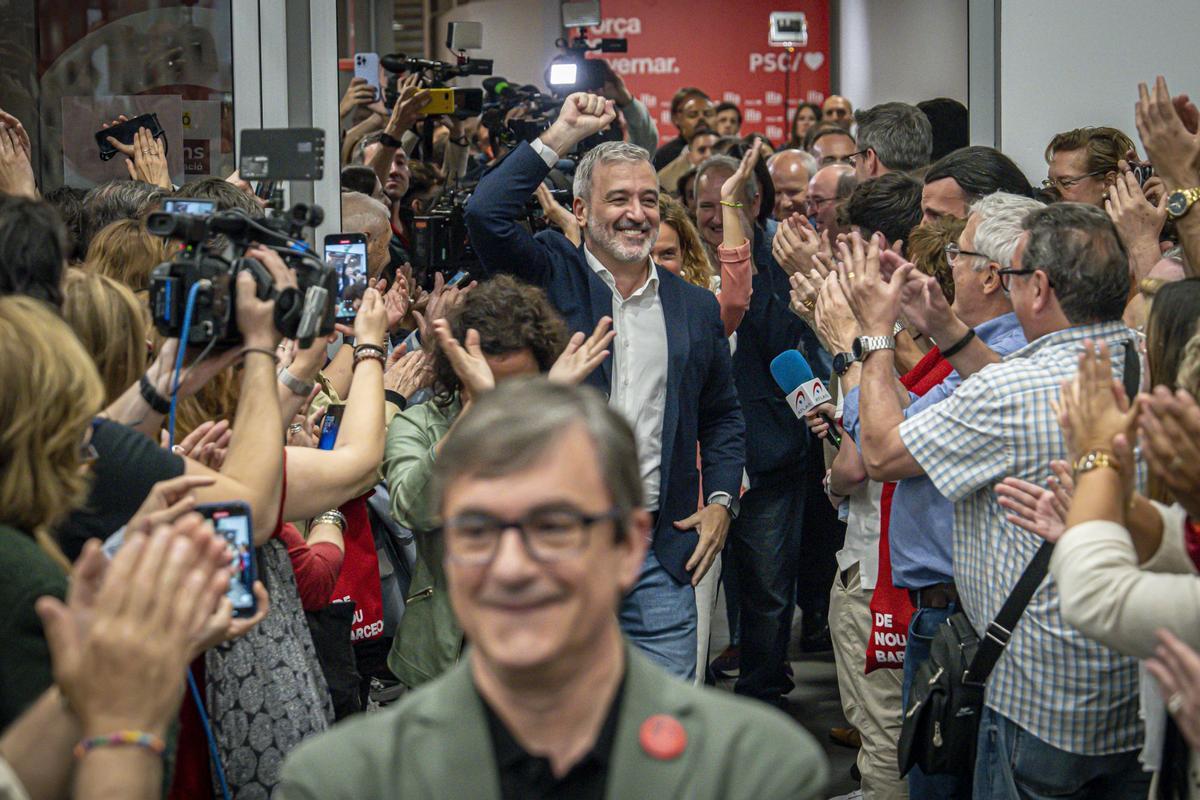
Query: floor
point(814, 702)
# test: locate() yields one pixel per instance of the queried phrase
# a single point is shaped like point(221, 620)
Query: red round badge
point(662, 737)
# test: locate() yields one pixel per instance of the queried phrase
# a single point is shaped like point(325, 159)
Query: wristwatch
point(731, 503)
point(1180, 201)
point(865, 345)
point(842, 362)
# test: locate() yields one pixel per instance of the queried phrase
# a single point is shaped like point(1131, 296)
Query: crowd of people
point(491, 516)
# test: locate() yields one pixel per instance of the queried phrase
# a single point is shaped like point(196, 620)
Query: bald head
point(827, 187)
point(790, 172)
point(837, 110)
point(363, 214)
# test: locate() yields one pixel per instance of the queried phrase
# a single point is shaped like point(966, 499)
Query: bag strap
point(999, 630)
point(1132, 377)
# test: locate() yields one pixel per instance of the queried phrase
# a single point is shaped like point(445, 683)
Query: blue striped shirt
point(1065, 689)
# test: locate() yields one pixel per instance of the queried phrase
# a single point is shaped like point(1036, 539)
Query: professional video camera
point(572, 70)
point(196, 290)
point(439, 237)
point(456, 101)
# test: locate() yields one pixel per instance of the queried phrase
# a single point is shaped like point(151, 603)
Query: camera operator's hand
point(16, 169)
point(614, 86)
point(370, 325)
point(193, 378)
point(582, 115)
point(256, 318)
point(407, 110)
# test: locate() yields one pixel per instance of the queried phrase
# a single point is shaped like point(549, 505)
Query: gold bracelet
point(1097, 458)
point(731, 204)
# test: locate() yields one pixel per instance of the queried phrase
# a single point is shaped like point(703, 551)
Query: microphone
point(804, 391)
point(498, 87)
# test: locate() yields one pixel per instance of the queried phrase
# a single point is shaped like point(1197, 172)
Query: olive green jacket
point(435, 743)
point(428, 640)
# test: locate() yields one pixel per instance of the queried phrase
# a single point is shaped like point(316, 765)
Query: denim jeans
point(766, 555)
point(1013, 763)
point(921, 629)
point(659, 618)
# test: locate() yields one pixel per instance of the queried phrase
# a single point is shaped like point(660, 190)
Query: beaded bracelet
point(369, 355)
point(147, 741)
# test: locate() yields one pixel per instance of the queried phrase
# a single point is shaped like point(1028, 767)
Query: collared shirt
point(1062, 687)
point(921, 527)
point(524, 776)
point(639, 366)
point(861, 544)
point(639, 370)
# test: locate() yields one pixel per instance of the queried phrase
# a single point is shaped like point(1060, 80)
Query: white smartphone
point(366, 66)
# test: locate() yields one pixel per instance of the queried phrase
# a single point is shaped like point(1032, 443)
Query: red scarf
point(891, 608)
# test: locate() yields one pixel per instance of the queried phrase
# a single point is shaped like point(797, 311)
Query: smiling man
point(669, 374)
point(545, 529)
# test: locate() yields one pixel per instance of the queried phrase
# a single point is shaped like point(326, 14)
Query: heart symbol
point(814, 60)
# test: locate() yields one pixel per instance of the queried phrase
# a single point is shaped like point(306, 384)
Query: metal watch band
point(865, 345)
point(294, 384)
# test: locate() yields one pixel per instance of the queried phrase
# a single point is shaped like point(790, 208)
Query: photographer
point(659, 320)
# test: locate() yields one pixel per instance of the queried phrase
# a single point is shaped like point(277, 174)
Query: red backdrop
point(722, 48)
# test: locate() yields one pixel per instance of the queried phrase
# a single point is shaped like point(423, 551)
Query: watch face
point(841, 362)
point(856, 350)
point(1177, 203)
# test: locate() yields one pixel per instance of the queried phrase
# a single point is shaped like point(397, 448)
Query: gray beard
point(609, 242)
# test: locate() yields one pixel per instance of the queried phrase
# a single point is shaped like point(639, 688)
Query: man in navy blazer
point(670, 374)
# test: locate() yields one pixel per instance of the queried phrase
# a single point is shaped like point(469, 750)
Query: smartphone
point(458, 278)
point(265, 189)
point(330, 424)
point(232, 523)
point(1142, 171)
point(347, 254)
point(125, 133)
point(187, 205)
point(441, 101)
point(366, 66)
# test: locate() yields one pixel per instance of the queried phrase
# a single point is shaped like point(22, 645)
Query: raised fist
point(582, 115)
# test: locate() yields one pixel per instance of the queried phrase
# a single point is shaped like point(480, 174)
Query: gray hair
point(899, 133)
point(729, 163)
point(1078, 248)
point(605, 153)
point(846, 183)
point(999, 229)
point(116, 199)
point(806, 159)
point(511, 427)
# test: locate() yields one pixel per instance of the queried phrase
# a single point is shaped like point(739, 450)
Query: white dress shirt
point(639, 370)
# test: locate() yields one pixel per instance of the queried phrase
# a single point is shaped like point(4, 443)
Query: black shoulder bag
point(941, 724)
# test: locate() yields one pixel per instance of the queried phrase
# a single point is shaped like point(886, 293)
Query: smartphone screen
point(330, 424)
point(347, 254)
point(186, 205)
point(458, 278)
point(232, 523)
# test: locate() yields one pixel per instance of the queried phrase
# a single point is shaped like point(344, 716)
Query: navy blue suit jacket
point(776, 442)
point(701, 404)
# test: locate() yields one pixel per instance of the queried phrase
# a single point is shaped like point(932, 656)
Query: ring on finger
point(1175, 703)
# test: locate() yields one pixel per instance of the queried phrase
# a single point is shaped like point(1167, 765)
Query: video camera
point(210, 258)
point(456, 101)
point(572, 70)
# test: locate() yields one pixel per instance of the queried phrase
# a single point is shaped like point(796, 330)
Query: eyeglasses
point(852, 159)
point(1006, 277)
point(1067, 182)
point(953, 251)
point(548, 534)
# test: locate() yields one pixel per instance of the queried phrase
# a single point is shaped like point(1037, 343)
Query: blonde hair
point(1188, 377)
point(926, 249)
point(111, 324)
point(696, 268)
point(126, 252)
point(51, 394)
